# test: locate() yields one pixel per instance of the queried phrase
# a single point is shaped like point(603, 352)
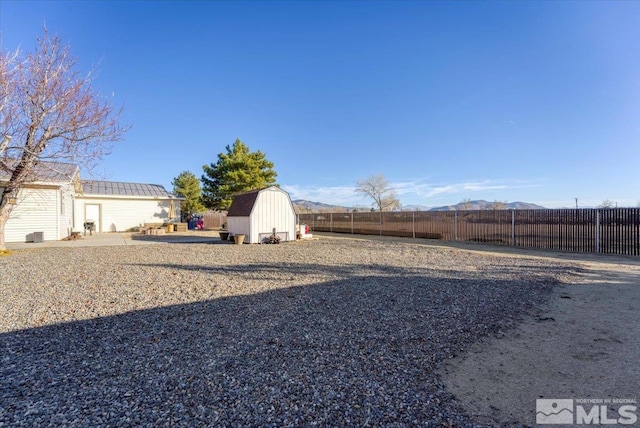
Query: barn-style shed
point(258, 213)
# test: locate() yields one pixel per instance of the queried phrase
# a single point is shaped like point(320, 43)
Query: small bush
point(273, 239)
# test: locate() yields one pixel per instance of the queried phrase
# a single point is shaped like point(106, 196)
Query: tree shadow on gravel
point(179, 239)
point(355, 351)
point(266, 270)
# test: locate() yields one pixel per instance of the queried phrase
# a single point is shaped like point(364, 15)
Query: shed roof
point(45, 171)
point(116, 188)
point(242, 204)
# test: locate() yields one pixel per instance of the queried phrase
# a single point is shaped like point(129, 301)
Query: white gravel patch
point(331, 332)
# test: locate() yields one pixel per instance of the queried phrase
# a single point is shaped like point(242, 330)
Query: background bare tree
point(607, 203)
point(465, 204)
point(51, 113)
point(497, 205)
point(378, 188)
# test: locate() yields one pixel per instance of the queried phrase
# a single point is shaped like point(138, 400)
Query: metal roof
point(45, 171)
point(116, 188)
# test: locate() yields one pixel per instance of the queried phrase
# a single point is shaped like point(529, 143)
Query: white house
point(260, 213)
point(44, 207)
point(118, 207)
point(56, 202)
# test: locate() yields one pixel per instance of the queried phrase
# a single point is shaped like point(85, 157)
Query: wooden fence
point(214, 219)
point(612, 231)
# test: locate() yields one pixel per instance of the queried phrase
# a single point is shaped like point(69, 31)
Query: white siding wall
point(38, 210)
point(238, 226)
point(118, 215)
point(273, 209)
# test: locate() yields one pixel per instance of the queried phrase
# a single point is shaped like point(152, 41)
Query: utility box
point(38, 237)
point(303, 232)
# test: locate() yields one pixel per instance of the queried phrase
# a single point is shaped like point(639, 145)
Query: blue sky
point(529, 101)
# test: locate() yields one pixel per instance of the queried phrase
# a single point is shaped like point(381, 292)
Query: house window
point(62, 203)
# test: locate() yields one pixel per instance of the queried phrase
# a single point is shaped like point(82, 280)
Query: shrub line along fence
point(602, 230)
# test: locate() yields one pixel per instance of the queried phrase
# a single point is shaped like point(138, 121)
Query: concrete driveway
point(116, 238)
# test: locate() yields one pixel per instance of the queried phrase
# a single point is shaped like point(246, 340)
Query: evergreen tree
point(187, 185)
point(237, 170)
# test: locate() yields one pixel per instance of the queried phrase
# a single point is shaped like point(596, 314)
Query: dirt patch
point(583, 343)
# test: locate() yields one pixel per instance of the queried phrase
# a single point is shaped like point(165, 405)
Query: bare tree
point(51, 113)
point(465, 204)
point(384, 196)
point(302, 209)
point(378, 188)
point(607, 203)
point(497, 205)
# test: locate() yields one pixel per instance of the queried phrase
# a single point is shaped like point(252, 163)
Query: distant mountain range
point(415, 208)
point(306, 206)
point(483, 205)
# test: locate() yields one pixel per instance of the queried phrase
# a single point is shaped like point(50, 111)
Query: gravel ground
point(332, 332)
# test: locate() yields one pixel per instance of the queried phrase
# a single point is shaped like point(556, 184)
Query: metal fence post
point(413, 223)
point(513, 227)
point(352, 222)
point(455, 225)
point(597, 231)
point(331, 222)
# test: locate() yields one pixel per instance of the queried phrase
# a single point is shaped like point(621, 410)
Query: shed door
point(92, 212)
